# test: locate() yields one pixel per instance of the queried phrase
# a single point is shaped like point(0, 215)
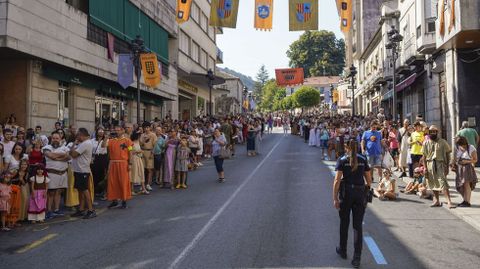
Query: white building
point(54, 63)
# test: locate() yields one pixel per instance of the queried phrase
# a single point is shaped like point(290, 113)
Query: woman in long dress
point(24, 190)
point(251, 141)
point(137, 174)
point(404, 149)
point(170, 156)
point(312, 137)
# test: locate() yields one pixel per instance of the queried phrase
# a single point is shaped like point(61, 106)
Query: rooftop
point(327, 80)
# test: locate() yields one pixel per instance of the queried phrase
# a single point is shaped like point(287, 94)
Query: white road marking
point(212, 221)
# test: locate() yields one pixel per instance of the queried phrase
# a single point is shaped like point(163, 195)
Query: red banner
point(289, 76)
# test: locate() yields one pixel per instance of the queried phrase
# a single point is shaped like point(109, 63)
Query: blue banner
point(327, 96)
point(125, 70)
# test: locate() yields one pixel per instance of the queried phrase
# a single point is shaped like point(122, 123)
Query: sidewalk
point(470, 215)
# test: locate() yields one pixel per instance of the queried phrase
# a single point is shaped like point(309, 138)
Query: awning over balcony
point(406, 82)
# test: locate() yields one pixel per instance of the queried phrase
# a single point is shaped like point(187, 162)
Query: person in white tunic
point(57, 158)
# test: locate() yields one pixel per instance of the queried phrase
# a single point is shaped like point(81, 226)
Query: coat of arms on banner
point(304, 12)
point(224, 9)
point(150, 67)
point(263, 11)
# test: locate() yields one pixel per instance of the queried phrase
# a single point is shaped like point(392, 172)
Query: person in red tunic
point(119, 150)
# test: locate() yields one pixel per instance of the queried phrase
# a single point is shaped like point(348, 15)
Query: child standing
point(181, 166)
point(38, 195)
point(5, 190)
point(15, 200)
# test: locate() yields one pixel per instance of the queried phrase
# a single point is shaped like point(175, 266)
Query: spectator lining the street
point(5, 190)
point(464, 159)
point(23, 177)
point(147, 142)
point(387, 187)
point(38, 195)
point(181, 164)
point(137, 170)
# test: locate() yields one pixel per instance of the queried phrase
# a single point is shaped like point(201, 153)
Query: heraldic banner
point(345, 15)
point(125, 70)
point(263, 14)
point(151, 72)
point(303, 15)
point(289, 76)
point(223, 13)
point(183, 10)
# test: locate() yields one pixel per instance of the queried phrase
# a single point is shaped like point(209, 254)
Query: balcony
point(426, 40)
point(219, 56)
point(463, 33)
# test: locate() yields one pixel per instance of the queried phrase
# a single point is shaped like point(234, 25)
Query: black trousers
point(354, 202)
point(99, 172)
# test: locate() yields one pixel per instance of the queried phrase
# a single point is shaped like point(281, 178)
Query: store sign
point(187, 86)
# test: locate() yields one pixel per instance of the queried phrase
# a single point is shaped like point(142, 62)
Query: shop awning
point(406, 82)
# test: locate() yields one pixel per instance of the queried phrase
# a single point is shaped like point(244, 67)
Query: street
point(274, 211)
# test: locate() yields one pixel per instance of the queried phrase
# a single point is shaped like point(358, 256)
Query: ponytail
point(353, 146)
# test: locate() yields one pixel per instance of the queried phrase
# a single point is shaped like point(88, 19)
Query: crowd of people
point(44, 173)
point(396, 150)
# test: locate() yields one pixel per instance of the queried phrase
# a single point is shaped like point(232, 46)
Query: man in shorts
point(147, 142)
point(81, 153)
point(372, 147)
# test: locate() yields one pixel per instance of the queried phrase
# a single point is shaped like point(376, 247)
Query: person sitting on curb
point(387, 187)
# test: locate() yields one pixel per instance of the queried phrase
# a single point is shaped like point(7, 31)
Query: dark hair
point(7, 131)
point(353, 146)
point(146, 124)
point(19, 145)
point(135, 135)
point(38, 127)
point(461, 141)
point(83, 131)
point(1, 150)
point(96, 131)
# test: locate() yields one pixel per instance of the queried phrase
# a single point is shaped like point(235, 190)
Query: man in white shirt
point(56, 157)
point(81, 153)
point(7, 143)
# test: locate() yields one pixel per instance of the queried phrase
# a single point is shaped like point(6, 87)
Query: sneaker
point(178, 186)
point(149, 188)
point(49, 215)
point(6, 229)
point(184, 186)
point(58, 213)
point(124, 205)
point(78, 214)
point(113, 204)
point(90, 215)
point(200, 164)
point(134, 193)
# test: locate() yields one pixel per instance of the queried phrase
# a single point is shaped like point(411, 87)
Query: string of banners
point(303, 14)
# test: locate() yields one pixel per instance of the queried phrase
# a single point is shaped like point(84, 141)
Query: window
point(204, 22)
point(195, 13)
point(184, 43)
point(195, 52)
point(63, 114)
point(211, 63)
point(203, 59)
point(431, 27)
point(211, 32)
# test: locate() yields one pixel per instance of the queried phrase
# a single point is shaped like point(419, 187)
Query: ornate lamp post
point(394, 39)
point(353, 73)
point(138, 47)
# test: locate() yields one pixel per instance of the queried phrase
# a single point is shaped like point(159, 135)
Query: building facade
point(197, 53)
point(230, 102)
point(56, 67)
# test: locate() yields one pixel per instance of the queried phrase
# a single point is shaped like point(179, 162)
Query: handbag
point(225, 153)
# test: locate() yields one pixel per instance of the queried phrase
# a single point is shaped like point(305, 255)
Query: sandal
point(452, 206)
point(5, 229)
point(436, 205)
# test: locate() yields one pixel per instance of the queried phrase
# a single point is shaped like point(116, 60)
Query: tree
point(319, 53)
point(272, 94)
point(307, 97)
point(261, 80)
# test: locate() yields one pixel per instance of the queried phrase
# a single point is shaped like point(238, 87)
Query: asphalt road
point(274, 211)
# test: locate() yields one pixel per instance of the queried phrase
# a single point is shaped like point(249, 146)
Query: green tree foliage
point(306, 97)
point(319, 53)
point(261, 80)
point(271, 96)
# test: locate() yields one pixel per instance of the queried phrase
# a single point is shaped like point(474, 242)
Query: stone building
point(55, 65)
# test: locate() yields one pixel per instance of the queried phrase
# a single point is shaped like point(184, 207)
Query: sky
point(246, 49)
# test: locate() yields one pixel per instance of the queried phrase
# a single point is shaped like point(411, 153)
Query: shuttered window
point(126, 21)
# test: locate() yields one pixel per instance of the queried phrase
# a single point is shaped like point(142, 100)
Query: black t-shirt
point(356, 177)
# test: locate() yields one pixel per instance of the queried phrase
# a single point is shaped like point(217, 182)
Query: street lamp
point(394, 39)
point(353, 73)
point(137, 47)
point(210, 78)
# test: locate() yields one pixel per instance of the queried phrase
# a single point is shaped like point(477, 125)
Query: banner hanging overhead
point(303, 15)
point(125, 70)
point(263, 14)
point(346, 15)
point(223, 13)
point(151, 72)
point(289, 76)
point(183, 10)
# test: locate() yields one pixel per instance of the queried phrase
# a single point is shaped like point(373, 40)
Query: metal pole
point(353, 96)
point(394, 99)
point(138, 86)
point(210, 96)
